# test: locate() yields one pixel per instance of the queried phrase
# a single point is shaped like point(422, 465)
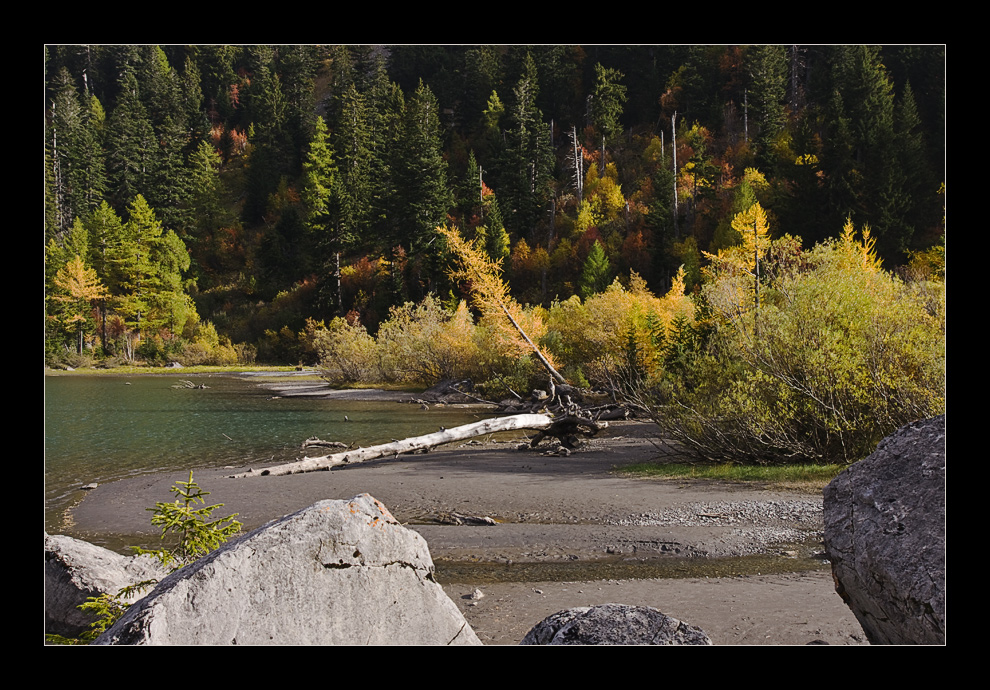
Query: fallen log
point(536, 422)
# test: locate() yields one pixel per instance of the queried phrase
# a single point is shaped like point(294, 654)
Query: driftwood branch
point(545, 424)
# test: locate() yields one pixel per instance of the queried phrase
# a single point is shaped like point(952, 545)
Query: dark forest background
point(231, 195)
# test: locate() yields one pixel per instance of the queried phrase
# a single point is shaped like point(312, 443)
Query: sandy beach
point(744, 563)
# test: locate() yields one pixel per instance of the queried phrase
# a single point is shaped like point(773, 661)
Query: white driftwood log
point(536, 422)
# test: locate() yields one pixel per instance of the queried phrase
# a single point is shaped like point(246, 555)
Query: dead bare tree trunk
point(545, 424)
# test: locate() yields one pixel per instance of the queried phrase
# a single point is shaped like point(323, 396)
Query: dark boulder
point(885, 536)
point(613, 624)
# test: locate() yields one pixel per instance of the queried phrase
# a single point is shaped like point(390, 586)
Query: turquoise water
point(102, 428)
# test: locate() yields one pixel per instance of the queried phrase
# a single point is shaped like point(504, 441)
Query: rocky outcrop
point(76, 570)
point(885, 536)
point(613, 624)
point(338, 572)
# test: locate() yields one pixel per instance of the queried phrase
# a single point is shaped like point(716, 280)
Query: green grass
point(139, 369)
point(797, 476)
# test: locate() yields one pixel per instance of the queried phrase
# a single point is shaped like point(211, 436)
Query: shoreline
point(553, 511)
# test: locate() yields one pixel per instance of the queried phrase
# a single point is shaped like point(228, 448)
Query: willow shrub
point(615, 330)
point(426, 343)
point(839, 354)
point(346, 352)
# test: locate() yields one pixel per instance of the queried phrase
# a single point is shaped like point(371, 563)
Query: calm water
point(102, 428)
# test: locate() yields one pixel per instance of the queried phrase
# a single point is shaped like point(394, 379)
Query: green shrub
point(346, 353)
point(837, 355)
point(426, 343)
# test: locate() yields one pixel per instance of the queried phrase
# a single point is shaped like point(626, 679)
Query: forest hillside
point(644, 208)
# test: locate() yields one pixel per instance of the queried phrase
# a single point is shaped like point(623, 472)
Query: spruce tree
point(608, 98)
point(422, 173)
point(525, 172)
point(596, 272)
point(321, 190)
point(131, 144)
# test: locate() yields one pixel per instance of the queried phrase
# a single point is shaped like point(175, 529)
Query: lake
point(103, 428)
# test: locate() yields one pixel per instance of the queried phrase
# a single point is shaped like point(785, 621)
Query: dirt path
point(574, 531)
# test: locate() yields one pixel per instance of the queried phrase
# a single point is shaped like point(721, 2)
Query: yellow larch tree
point(79, 289)
point(516, 328)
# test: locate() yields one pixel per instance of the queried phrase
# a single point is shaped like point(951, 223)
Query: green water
point(102, 428)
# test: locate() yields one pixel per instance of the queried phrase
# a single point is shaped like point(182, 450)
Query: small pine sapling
point(198, 536)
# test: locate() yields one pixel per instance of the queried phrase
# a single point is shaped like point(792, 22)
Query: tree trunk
point(545, 424)
point(350, 457)
point(539, 355)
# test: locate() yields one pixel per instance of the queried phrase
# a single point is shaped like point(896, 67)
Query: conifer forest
point(745, 241)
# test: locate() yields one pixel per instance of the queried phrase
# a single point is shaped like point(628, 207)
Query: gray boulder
point(885, 536)
point(76, 570)
point(338, 572)
point(613, 624)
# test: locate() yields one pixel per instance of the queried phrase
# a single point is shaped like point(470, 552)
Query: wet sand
point(570, 520)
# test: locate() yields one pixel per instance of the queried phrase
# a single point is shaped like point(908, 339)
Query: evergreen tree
point(595, 273)
point(321, 198)
point(298, 67)
point(884, 198)
point(496, 243)
point(767, 67)
point(525, 171)
point(351, 142)
point(78, 178)
point(386, 128)
point(607, 99)
point(131, 144)
point(148, 263)
point(482, 75)
point(105, 235)
point(425, 198)
point(271, 156)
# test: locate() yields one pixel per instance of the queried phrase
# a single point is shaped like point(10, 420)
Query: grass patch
point(789, 476)
point(137, 369)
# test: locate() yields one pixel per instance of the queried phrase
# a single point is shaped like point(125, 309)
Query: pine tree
point(425, 198)
point(351, 142)
point(496, 238)
point(131, 144)
point(608, 98)
point(321, 198)
point(78, 181)
point(767, 67)
point(595, 273)
point(525, 173)
point(149, 263)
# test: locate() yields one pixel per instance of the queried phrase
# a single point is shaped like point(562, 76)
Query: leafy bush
point(346, 353)
point(609, 331)
point(426, 343)
point(838, 355)
point(208, 347)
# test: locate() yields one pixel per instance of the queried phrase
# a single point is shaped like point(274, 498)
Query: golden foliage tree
point(79, 290)
point(517, 328)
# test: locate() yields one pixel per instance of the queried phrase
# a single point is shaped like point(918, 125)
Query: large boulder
point(76, 570)
point(338, 572)
point(613, 624)
point(885, 536)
